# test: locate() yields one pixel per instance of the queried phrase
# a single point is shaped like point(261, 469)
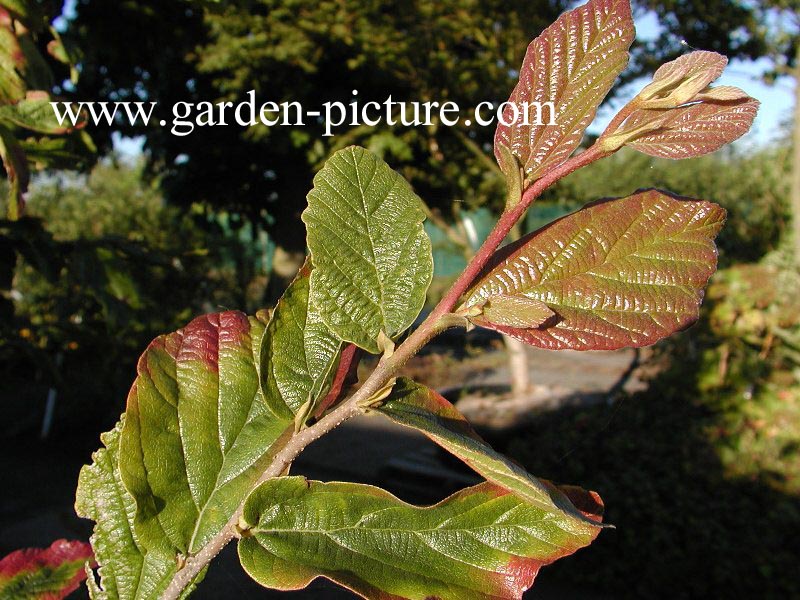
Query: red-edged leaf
point(617, 273)
point(44, 574)
point(482, 543)
point(692, 130)
point(572, 64)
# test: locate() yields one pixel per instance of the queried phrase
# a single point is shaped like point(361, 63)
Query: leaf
point(12, 63)
point(36, 113)
point(617, 273)
point(418, 407)
point(26, 10)
point(299, 353)
point(65, 152)
point(372, 259)
point(516, 311)
point(16, 166)
point(678, 115)
point(680, 80)
point(198, 432)
point(572, 64)
point(512, 172)
point(127, 570)
point(481, 543)
point(689, 131)
point(44, 574)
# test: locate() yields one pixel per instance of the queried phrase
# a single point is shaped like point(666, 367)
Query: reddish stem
point(504, 225)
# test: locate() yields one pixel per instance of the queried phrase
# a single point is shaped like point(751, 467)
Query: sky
point(770, 125)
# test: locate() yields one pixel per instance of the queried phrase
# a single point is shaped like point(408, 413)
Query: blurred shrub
point(99, 268)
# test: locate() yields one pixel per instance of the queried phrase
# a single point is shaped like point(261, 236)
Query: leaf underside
point(372, 259)
point(44, 573)
point(616, 273)
point(572, 64)
point(418, 407)
point(481, 543)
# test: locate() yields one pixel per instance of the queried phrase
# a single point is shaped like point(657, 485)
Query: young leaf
point(617, 273)
point(679, 81)
point(44, 574)
point(299, 353)
point(198, 432)
point(678, 115)
point(372, 259)
point(416, 406)
point(127, 570)
point(572, 64)
point(689, 131)
point(481, 543)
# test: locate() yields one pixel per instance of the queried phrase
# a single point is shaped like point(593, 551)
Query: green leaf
point(36, 114)
point(127, 570)
point(481, 543)
point(299, 353)
point(198, 433)
point(65, 152)
point(12, 63)
point(572, 64)
point(416, 406)
point(372, 259)
point(617, 273)
point(44, 574)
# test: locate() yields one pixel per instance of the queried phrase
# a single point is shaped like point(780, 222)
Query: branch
point(440, 319)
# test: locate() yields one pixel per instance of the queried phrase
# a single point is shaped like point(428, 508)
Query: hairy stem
point(437, 321)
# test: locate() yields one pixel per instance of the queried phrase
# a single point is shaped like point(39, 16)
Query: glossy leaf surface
point(372, 259)
point(197, 433)
point(298, 352)
point(617, 273)
point(416, 406)
point(481, 543)
point(44, 573)
point(692, 130)
point(127, 570)
point(572, 64)
point(680, 80)
point(679, 115)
